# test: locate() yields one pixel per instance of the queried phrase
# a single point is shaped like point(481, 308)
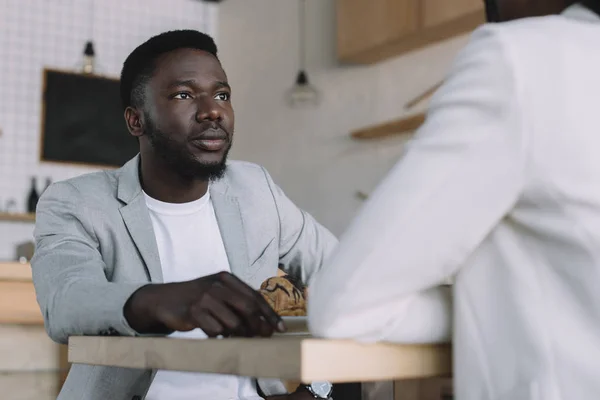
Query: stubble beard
point(180, 159)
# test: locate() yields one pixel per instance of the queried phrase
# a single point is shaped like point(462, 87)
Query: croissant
point(284, 296)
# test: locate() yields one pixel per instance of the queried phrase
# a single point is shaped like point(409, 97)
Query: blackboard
point(82, 121)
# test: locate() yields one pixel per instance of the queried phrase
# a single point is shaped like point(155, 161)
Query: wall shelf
point(400, 126)
point(17, 217)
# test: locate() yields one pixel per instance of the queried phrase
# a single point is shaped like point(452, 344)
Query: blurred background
point(326, 93)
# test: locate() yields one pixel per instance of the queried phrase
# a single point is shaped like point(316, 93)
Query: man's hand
point(219, 304)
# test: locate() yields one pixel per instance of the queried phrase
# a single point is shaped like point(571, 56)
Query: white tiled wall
point(52, 33)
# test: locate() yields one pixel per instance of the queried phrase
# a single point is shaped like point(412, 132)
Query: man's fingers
point(232, 323)
point(256, 300)
point(246, 309)
point(209, 324)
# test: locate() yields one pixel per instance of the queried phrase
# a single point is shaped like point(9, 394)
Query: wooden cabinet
point(362, 28)
point(438, 12)
point(369, 31)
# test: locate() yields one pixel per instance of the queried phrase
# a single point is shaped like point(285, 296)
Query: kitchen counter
point(18, 304)
point(32, 367)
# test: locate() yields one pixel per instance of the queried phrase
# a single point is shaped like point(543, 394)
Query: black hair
point(593, 5)
point(140, 64)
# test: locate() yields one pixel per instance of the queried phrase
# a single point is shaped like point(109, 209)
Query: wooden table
point(291, 358)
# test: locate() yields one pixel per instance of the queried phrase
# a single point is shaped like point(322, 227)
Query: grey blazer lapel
point(137, 219)
point(229, 219)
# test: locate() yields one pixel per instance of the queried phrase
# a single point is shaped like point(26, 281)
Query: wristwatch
point(320, 390)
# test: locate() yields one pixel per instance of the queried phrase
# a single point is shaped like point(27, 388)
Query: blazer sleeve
point(72, 290)
point(304, 244)
point(462, 173)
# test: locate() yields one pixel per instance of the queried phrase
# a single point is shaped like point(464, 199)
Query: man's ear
point(134, 120)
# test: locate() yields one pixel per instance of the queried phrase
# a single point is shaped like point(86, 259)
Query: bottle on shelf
point(33, 197)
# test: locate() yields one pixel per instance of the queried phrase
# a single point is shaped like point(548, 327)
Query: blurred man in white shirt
point(500, 190)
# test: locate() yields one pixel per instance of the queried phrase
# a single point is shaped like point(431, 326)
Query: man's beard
point(180, 159)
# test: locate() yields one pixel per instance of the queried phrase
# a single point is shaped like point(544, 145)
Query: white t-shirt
point(190, 246)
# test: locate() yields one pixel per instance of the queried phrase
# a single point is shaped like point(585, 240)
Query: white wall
point(309, 153)
point(51, 33)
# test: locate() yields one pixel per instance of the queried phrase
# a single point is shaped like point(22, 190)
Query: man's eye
point(182, 96)
point(223, 96)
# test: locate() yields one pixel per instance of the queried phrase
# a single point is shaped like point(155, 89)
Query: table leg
point(378, 390)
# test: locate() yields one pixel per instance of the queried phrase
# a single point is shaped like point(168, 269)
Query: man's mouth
point(211, 141)
point(210, 144)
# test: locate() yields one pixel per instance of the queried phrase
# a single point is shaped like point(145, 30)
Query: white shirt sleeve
point(460, 175)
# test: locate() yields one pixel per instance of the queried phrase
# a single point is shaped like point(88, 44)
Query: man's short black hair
point(594, 5)
point(140, 64)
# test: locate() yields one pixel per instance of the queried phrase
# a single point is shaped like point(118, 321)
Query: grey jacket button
point(136, 398)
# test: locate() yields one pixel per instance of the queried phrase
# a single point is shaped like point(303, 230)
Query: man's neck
point(161, 183)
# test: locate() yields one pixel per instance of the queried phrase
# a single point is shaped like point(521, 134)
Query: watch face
point(321, 389)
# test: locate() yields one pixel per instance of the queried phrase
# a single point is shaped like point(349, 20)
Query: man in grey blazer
point(177, 240)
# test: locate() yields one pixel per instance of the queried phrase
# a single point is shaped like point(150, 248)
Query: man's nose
point(208, 110)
